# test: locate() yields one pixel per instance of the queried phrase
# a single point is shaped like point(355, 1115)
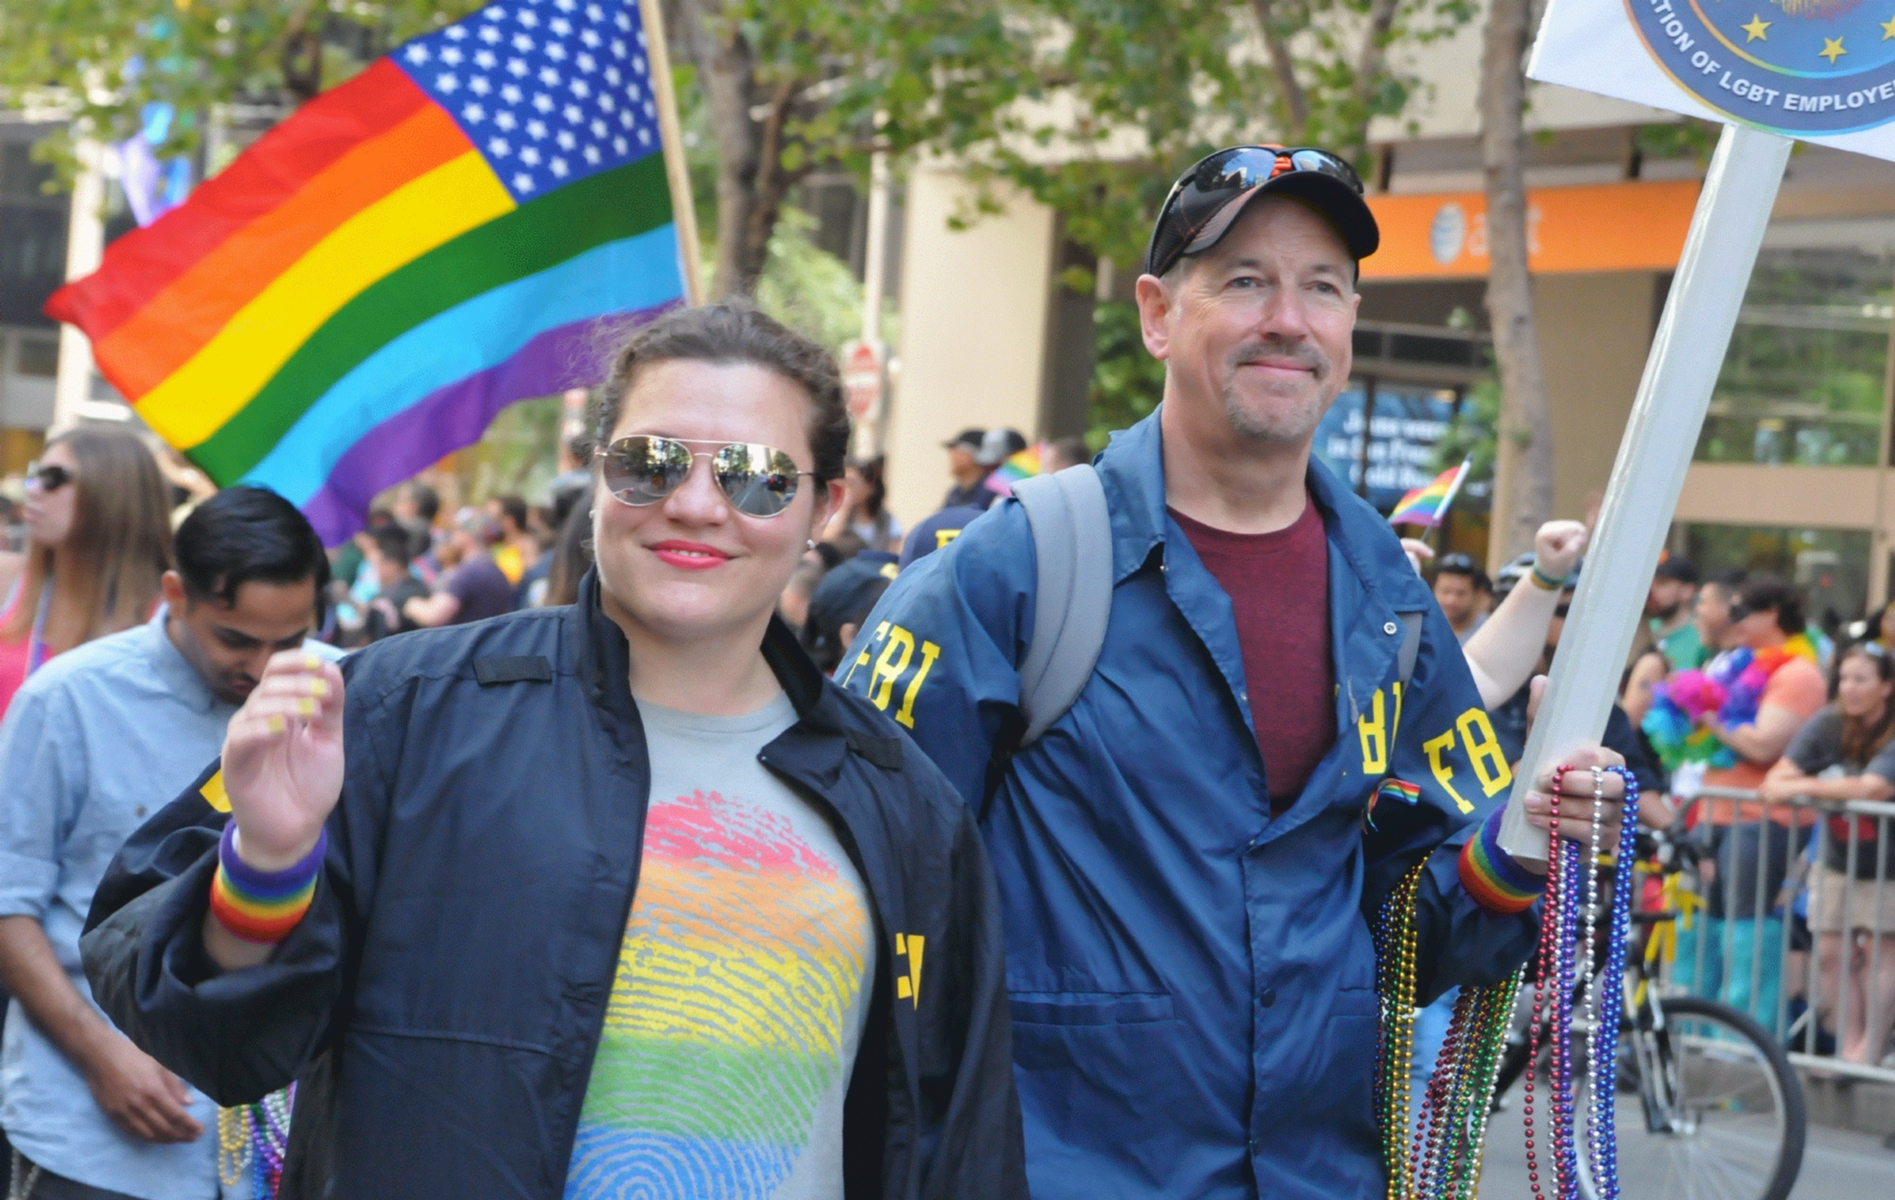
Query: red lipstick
point(691, 556)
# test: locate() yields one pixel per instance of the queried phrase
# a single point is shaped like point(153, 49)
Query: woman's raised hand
point(283, 759)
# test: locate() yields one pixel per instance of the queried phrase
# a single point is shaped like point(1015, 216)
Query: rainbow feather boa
point(1731, 686)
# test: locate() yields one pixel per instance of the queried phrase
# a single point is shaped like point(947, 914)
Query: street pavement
point(1837, 1164)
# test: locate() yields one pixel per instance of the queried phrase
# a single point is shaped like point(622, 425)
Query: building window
point(1803, 381)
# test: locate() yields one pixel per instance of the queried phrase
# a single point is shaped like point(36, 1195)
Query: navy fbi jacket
point(442, 1000)
point(1192, 981)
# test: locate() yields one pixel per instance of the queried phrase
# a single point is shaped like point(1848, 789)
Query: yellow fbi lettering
point(1483, 751)
point(899, 652)
point(908, 983)
point(1375, 730)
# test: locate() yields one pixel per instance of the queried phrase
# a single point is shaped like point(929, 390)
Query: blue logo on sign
point(1793, 66)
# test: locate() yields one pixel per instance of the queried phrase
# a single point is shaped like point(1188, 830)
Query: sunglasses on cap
point(1207, 198)
point(758, 480)
point(48, 477)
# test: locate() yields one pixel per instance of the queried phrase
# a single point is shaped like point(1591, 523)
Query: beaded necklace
point(251, 1142)
point(1438, 1156)
point(1572, 900)
point(1444, 1155)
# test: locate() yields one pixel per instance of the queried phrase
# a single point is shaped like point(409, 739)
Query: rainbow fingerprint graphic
point(742, 965)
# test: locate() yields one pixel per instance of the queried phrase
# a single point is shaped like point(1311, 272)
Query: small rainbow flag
point(1428, 505)
point(1024, 465)
point(365, 287)
point(1399, 790)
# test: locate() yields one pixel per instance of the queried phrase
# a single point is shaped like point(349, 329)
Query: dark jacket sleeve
point(1442, 741)
point(236, 1036)
point(970, 1108)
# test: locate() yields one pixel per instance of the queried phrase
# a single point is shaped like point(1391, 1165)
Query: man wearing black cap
point(970, 476)
point(1279, 727)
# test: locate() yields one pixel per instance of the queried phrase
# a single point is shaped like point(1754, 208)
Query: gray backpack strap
point(1072, 540)
point(1411, 645)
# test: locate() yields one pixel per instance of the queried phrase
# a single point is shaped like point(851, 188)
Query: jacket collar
point(1132, 470)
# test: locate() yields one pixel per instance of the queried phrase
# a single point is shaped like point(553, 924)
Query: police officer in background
point(1187, 856)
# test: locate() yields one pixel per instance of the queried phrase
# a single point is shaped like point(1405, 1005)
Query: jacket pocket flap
point(1089, 1008)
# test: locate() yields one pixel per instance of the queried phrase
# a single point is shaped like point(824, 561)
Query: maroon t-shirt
point(1278, 584)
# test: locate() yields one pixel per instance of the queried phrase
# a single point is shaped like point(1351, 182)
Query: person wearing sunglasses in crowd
point(98, 542)
point(618, 898)
point(1187, 855)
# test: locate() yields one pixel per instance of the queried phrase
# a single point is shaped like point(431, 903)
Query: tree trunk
point(1523, 474)
point(727, 70)
point(1295, 102)
point(300, 59)
point(749, 127)
point(1370, 65)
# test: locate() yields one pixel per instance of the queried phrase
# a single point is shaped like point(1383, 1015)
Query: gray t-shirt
point(742, 987)
point(1816, 748)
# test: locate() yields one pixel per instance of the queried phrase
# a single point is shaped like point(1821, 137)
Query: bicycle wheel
point(1727, 1106)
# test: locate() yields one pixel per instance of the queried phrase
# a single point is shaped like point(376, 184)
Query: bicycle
point(1721, 1110)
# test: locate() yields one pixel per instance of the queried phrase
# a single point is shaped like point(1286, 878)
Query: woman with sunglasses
point(620, 898)
point(98, 540)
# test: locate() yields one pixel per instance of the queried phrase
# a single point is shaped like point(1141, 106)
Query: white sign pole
point(1726, 233)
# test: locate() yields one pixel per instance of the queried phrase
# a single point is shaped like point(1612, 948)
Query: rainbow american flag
point(365, 287)
point(1428, 505)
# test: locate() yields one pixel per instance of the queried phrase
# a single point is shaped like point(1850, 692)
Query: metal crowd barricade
point(1763, 861)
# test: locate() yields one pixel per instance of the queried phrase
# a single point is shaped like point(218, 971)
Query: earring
point(811, 543)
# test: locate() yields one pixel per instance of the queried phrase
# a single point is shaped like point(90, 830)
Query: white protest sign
point(1770, 70)
point(1818, 70)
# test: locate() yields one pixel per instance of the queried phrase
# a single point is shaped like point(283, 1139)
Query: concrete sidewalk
point(1838, 1164)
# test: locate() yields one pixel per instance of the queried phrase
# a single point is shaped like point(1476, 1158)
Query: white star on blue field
point(549, 91)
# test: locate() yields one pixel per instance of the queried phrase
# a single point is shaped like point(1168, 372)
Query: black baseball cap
point(1207, 199)
point(970, 438)
point(844, 597)
point(1677, 568)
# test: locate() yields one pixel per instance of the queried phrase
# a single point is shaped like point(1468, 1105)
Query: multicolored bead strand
point(1569, 922)
point(1395, 1034)
point(253, 1140)
point(1571, 867)
point(1586, 944)
point(1440, 1154)
point(1601, 1117)
point(1546, 968)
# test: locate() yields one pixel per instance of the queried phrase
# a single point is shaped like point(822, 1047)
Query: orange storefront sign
point(1604, 227)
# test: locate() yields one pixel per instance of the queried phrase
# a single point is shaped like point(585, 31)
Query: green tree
point(789, 86)
point(1128, 92)
point(102, 61)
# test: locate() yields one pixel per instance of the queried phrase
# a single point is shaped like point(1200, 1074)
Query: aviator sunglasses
point(48, 477)
point(758, 480)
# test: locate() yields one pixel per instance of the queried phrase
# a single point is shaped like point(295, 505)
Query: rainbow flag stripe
point(1395, 789)
point(365, 287)
point(1428, 505)
point(1024, 465)
point(743, 963)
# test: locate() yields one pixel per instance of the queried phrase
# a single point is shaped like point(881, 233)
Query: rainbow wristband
point(262, 906)
point(1490, 875)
